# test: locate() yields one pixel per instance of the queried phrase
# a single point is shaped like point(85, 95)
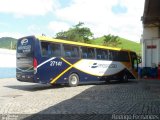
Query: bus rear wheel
point(73, 80)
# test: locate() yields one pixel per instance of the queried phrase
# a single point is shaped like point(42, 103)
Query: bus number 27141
point(55, 63)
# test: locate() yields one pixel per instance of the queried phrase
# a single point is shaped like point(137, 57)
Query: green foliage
point(111, 40)
point(8, 42)
point(61, 35)
point(77, 33)
point(125, 44)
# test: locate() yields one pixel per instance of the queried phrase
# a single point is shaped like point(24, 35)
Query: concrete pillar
point(143, 53)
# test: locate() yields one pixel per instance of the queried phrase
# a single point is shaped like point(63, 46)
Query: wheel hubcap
point(73, 79)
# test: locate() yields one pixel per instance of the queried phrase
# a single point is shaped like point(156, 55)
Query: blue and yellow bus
point(41, 59)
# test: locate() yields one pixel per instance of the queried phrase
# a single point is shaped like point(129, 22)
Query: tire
point(125, 78)
point(73, 80)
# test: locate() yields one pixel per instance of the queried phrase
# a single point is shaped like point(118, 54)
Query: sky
point(19, 18)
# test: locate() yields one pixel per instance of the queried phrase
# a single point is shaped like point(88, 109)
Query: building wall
point(150, 47)
point(150, 32)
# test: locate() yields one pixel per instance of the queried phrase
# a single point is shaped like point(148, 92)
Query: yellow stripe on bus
point(66, 61)
point(71, 66)
point(54, 80)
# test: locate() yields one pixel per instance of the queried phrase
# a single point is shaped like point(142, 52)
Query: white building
point(151, 33)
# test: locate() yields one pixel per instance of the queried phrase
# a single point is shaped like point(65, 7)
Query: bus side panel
point(87, 70)
point(51, 69)
point(86, 77)
point(47, 74)
point(63, 70)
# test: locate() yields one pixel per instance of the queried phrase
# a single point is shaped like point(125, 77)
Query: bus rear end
point(25, 59)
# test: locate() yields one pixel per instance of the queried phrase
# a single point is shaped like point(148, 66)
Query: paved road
point(134, 97)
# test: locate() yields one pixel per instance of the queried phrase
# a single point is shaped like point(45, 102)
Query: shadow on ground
point(38, 87)
point(35, 87)
point(103, 101)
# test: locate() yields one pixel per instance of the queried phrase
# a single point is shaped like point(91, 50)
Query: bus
point(40, 59)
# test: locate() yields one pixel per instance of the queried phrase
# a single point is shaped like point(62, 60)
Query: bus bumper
point(25, 77)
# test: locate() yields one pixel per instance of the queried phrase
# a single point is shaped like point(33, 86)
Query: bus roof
point(44, 38)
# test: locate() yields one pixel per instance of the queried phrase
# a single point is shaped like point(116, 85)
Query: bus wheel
point(125, 78)
point(73, 80)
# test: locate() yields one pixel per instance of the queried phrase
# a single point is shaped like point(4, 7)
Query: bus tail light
point(35, 65)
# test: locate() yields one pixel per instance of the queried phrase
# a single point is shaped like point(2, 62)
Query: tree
point(111, 40)
point(76, 33)
point(61, 35)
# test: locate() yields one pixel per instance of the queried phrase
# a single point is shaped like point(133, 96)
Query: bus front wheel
point(73, 80)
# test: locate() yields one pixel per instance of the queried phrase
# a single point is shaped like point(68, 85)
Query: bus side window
point(44, 49)
point(88, 53)
point(54, 50)
point(91, 53)
point(84, 55)
point(102, 54)
point(123, 56)
point(99, 57)
point(110, 55)
point(84, 52)
point(67, 54)
point(99, 54)
point(71, 51)
point(75, 52)
point(113, 55)
point(105, 52)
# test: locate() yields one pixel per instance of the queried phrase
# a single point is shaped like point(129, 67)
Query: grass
point(8, 43)
point(125, 44)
